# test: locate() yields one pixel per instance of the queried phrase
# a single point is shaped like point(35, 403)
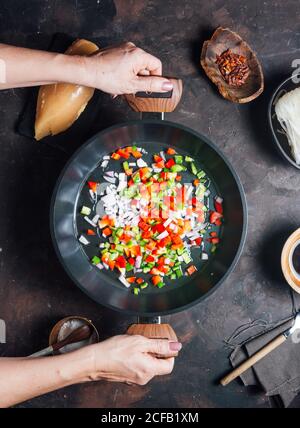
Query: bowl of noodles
point(284, 113)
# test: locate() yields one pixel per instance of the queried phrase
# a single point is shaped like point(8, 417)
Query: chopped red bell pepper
point(164, 269)
point(111, 264)
point(158, 228)
point(156, 279)
point(123, 153)
point(171, 151)
point(137, 154)
point(121, 262)
point(143, 225)
point(135, 250)
point(214, 241)
point(214, 216)
point(147, 234)
point(90, 232)
point(115, 156)
point(191, 269)
point(161, 261)
point(93, 186)
point(158, 158)
point(176, 239)
point(107, 231)
point(170, 163)
point(218, 207)
point(159, 164)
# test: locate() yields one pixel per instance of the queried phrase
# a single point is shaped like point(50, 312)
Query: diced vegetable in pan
point(153, 221)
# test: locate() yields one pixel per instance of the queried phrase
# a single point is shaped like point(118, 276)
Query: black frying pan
point(97, 284)
point(102, 286)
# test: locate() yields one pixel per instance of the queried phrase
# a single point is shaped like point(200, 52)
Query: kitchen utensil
point(81, 333)
point(63, 327)
point(279, 136)
point(221, 40)
point(154, 136)
point(279, 340)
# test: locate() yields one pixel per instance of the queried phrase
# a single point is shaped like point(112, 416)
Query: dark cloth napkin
point(279, 372)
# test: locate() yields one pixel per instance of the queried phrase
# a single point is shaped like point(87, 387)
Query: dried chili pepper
point(233, 68)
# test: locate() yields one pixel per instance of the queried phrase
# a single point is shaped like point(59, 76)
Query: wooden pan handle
point(254, 359)
point(157, 104)
point(153, 331)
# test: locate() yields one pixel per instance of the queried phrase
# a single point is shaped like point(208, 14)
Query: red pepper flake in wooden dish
point(233, 67)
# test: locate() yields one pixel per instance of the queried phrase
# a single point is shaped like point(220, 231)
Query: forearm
point(26, 67)
point(124, 69)
point(25, 378)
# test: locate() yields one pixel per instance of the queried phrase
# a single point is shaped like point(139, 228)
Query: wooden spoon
point(82, 333)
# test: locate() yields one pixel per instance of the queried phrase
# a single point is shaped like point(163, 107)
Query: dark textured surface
point(35, 292)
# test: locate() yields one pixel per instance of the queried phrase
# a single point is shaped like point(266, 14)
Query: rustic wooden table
point(35, 292)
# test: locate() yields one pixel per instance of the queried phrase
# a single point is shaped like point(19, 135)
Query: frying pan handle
point(156, 102)
point(153, 331)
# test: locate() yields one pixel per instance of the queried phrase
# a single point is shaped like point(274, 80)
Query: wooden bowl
point(291, 276)
point(224, 39)
point(53, 338)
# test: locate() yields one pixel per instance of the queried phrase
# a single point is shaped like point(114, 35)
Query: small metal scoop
point(262, 353)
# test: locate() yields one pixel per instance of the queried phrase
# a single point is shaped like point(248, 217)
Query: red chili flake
point(233, 68)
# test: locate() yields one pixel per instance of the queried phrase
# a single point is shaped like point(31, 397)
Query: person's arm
point(124, 358)
point(122, 69)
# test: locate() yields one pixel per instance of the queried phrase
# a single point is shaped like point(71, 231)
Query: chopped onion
point(95, 219)
point(83, 240)
point(168, 222)
point(162, 155)
point(104, 164)
point(90, 221)
point(109, 179)
point(138, 262)
point(163, 235)
point(124, 281)
point(140, 163)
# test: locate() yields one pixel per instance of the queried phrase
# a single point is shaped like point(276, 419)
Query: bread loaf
point(60, 104)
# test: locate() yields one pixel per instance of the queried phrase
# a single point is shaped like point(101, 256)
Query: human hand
point(125, 69)
point(131, 359)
